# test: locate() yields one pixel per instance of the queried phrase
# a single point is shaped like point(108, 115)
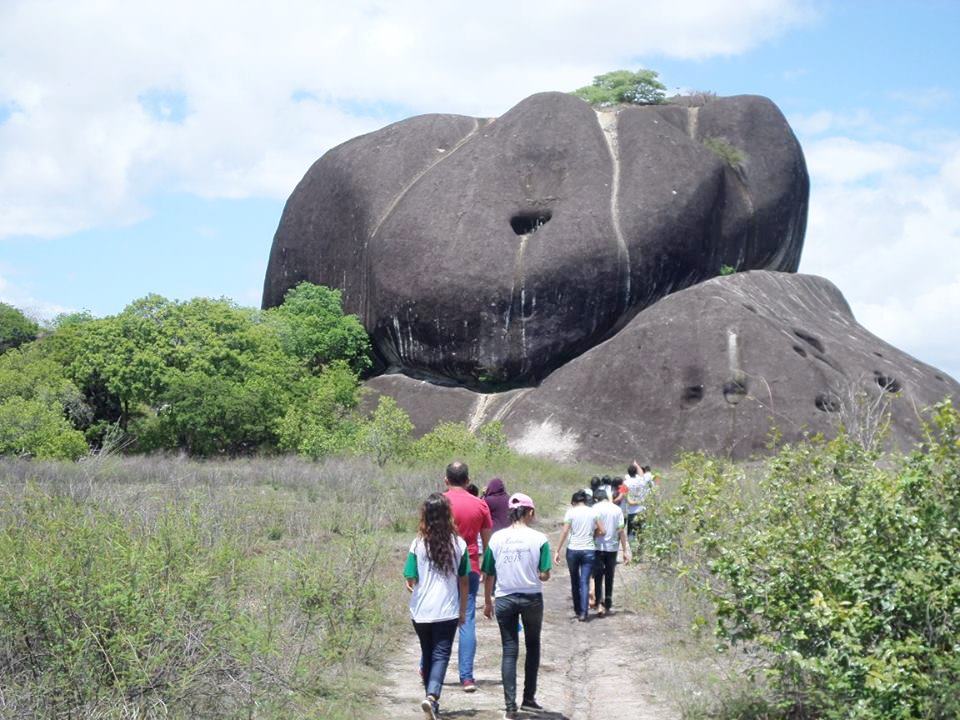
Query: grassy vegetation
point(827, 576)
point(174, 588)
point(730, 154)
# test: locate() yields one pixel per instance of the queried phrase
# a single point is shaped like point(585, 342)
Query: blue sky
point(150, 147)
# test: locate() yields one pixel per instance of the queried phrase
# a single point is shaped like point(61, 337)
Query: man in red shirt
point(472, 516)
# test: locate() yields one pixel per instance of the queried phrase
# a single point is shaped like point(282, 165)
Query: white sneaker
point(430, 708)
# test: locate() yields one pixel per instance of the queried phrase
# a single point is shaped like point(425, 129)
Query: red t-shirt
point(471, 514)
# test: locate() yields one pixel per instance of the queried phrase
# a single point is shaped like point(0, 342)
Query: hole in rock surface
point(799, 351)
point(826, 402)
point(749, 307)
point(692, 394)
point(940, 378)
point(809, 339)
point(878, 354)
point(888, 383)
point(526, 223)
point(734, 391)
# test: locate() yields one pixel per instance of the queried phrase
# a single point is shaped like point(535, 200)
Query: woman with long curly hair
point(436, 574)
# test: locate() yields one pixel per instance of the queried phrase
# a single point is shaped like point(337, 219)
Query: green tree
point(388, 434)
point(312, 327)
point(15, 328)
point(38, 429)
point(624, 87)
point(324, 422)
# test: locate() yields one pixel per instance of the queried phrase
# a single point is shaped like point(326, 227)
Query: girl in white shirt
point(436, 574)
point(581, 525)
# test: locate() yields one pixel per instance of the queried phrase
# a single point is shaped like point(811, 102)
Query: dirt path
point(604, 668)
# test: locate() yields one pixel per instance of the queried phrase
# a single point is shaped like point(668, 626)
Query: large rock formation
point(714, 367)
point(563, 258)
point(487, 253)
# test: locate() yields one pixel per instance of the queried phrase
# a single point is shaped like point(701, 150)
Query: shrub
point(733, 156)
point(323, 423)
point(15, 328)
point(449, 440)
point(104, 613)
point(624, 86)
point(841, 568)
point(387, 435)
point(38, 429)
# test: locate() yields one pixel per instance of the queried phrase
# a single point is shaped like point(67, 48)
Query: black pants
point(604, 567)
point(509, 610)
point(436, 641)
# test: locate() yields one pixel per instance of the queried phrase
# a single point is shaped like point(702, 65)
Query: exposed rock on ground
point(714, 367)
point(487, 253)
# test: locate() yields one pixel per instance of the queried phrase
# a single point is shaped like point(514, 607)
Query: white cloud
point(843, 160)
point(823, 121)
point(884, 226)
point(116, 99)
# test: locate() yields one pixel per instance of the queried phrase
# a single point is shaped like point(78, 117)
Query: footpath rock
point(488, 253)
point(715, 367)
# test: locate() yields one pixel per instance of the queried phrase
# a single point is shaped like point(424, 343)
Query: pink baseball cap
point(521, 500)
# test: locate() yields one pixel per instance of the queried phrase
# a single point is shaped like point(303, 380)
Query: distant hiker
point(638, 487)
point(472, 517)
point(619, 490)
point(518, 559)
point(611, 518)
point(581, 526)
point(436, 574)
point(497, 500)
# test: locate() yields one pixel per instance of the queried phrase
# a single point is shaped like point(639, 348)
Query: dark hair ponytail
point(519, 512)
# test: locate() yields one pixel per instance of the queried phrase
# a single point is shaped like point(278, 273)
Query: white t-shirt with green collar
point(517, 555)
point(436, 596)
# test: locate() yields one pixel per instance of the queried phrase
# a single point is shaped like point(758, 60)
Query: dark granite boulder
point(714, 367)
point(488, 253)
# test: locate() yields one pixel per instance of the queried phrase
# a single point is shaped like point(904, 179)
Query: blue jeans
point(436, 642)
point(580, 564)
point(467, 648)
point(509, 610)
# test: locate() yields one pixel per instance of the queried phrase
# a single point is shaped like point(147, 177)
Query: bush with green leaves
point(324, 422)
point(388, 435)
point(205, 376)
point(624, 87)
point(450, 440)
point(34, 428)
point(15, 328)
point(840, 567)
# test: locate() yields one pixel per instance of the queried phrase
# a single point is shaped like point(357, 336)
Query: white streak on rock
point(608, 124)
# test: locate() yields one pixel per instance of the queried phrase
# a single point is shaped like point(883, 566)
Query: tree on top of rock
point(624, 87)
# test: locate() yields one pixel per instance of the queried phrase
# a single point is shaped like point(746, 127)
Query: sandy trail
point(604, 668)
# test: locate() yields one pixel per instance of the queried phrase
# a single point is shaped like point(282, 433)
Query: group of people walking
point(444, 566)
point(599, 520)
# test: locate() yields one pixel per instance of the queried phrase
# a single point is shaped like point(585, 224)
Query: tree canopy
point(203, 376)
point(624, 87)
point(15, 327)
